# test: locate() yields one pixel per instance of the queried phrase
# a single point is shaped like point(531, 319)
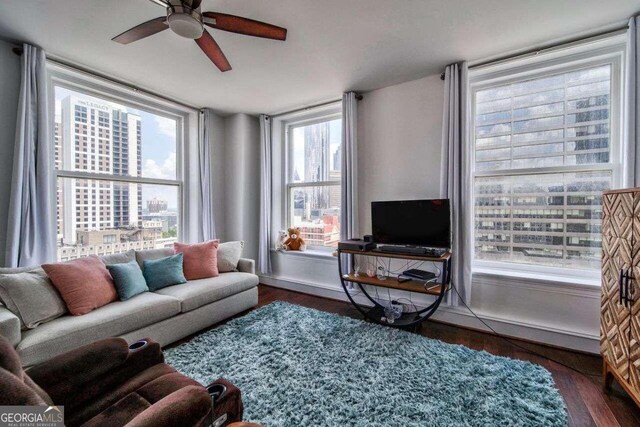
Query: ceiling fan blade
point(163, 3)
point(213, 51)
point(246, 26)
point(143, 30)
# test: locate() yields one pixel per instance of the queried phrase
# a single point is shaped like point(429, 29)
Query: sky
point(158, 146)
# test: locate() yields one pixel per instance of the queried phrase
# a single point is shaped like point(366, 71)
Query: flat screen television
point(412, 222)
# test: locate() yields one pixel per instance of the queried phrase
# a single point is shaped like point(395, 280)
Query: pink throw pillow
point(84, 284)
point(200, 259)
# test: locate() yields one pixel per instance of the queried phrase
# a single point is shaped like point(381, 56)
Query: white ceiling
point(332, 45)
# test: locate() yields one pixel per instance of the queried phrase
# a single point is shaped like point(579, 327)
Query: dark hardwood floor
point(587, 403)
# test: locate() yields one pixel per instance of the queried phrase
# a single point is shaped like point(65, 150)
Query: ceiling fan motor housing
point(185, 22)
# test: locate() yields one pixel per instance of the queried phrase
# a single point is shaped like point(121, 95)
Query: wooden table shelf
point(410, 286)
point(376, 312)
point(375, 253)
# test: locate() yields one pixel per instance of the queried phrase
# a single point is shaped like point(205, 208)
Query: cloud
point(166, 126)
point(165, 170)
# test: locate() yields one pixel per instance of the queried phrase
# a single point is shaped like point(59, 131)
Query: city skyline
point(103, 216)
point(316, 159)
point(158, 143)
point(557, 121)
point(298, 149)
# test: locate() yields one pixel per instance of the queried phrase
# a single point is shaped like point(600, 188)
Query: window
point(118, 175)
point(313, 185)
point(545, 145)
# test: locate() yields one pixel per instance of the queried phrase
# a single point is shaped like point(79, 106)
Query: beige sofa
point(166, 315)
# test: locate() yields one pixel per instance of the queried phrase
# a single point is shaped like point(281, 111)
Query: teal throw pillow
point(128, 279)
point(164, 272)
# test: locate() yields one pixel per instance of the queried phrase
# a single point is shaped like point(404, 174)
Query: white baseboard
point(544, 334)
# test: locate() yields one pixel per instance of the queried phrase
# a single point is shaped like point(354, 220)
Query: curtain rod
point(551, 46)
point(310, 107)
point(18, 51)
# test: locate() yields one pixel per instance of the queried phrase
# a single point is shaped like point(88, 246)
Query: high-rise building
point(127, 142)
point(95, 137)
point(337, 159)
point(316, 166)
point(156, 205)
point(57, 136)
point(562, 122)
point(335, 196)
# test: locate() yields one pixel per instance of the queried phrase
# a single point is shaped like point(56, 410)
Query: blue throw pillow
point(164, 272)
point(128, 279)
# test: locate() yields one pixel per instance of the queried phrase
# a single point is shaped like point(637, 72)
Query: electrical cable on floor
point(518, 345)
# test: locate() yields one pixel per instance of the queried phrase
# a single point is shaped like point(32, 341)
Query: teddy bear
point(294, 242)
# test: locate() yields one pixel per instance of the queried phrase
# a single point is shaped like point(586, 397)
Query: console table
point(376, 313)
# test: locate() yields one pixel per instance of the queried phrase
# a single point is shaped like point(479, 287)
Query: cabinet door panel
point(614, 316)
point(618, 219)
point(634, 291)
point(634, 339)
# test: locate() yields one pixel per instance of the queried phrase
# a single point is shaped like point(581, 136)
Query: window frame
point(59, 75)
point(593, 53)
point(311, 117)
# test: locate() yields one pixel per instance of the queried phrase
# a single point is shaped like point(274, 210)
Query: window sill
point(309, 253)
point(546, 279)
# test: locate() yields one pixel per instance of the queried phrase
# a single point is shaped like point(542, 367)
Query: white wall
point(9, 91)
point(241, 181)
point(399, 131)
point(218, 143)
point(399, 144)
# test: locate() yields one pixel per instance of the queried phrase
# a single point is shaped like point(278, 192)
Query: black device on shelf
point(425, 223)
point(415, 273)
point(355, 245)
point(412, 250)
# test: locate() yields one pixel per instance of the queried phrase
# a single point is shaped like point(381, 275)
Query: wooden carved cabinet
point(620, 303)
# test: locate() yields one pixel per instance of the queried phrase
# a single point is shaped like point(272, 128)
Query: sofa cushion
point(200, 259)
point(84, 283)
point(229, 254)
point(197, 293)
point(12, 270)
point(128, 279)
point(31, 296)
point(120, 258)
point(10, 326)
point(163, 272)
point(112, 320)
point(149, 254)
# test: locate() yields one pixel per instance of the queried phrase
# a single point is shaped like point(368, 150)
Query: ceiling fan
point(185, 18)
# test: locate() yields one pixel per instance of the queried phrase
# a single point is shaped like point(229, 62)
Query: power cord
point(586, 374)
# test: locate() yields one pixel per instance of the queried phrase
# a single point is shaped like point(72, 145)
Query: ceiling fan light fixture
point(186, 23)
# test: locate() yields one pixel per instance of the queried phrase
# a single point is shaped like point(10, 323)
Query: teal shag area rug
point(302, 367)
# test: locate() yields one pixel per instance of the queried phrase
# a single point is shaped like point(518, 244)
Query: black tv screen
point(412, 222)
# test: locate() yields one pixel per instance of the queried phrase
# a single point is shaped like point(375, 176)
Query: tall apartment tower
point(156, 205)
point(316, 168)
point(127, 161)
point(57, 136)
point(97, 138)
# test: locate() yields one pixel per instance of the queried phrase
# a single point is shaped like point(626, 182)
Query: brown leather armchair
point(107, 383)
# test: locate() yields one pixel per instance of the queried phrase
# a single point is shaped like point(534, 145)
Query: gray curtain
point(455, 180)
point(31, 231)
point(205, 130)
point(349, 209)
point(631, 123)
point(264, 249)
